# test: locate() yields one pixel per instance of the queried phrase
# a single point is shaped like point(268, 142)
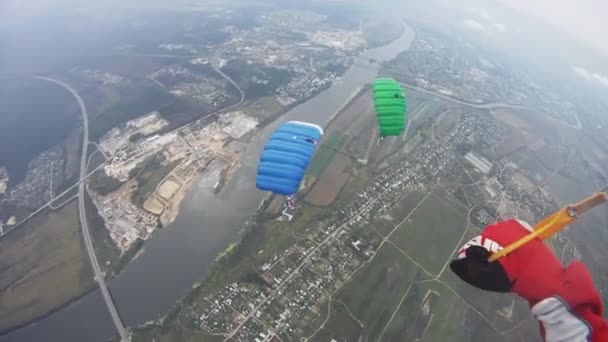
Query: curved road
point(99, 274)
point(488, 105)
point(231, 81)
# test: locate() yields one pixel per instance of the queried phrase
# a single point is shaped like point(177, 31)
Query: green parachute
point(390, 103)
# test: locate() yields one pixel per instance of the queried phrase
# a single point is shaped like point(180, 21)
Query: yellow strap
point(553, 223)
point(542, 230)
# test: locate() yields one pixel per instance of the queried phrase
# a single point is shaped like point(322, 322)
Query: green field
point(71, 148)
point(445, 316)
point(324, 155)
point(103, 184)
point(372, 294)
point(340, 326)
point(489, 303)
point(448, 315)
point(566, 190)
point(43, 267)
point(528, 162)
point(172, 333)
point(431, 233)
point(405, 205)
point(420, 109)
point(451, 200)
point(264, 108)
point(399, 211)
point(527, 331)
point(149, 176)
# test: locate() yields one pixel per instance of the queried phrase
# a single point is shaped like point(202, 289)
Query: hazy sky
point(584, 19)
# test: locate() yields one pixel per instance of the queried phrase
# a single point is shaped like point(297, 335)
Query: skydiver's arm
point(563, 299)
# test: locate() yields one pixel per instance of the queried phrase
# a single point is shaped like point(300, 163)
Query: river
point(180, 254)
point(33, 126)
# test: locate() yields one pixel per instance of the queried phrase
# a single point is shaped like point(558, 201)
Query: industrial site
point(153, 171)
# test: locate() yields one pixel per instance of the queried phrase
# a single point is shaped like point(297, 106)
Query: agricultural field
point(340, 326)
point(527, 161)
point(264, 109)
point(504, 311)
point(349, 141)
point(149, 176)
point(386, 222)
point(431, 233)
point(386, 277)
point(328, 186)
point(404, 207)
point(325, 154)
point(172, 334)
point(567, 190)
point(550, 157)
point(431, 312)
point(446, 122)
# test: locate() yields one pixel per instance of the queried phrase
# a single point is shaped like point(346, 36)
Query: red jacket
point(563, 299)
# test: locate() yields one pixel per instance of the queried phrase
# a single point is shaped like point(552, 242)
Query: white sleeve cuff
point(560, 324)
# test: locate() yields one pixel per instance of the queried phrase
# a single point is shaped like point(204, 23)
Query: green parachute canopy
point(390, 103)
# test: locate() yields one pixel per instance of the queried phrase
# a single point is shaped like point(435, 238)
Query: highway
point(490, 105)
point(99, 274)
point(227, 78)
point(50, 203)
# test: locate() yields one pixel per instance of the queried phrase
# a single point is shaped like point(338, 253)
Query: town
point(286, 298)
point(288, 55)
point(183, 82)
point(474, 75)
point(43, 179)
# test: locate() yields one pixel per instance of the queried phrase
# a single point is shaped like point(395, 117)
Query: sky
point(583, 19)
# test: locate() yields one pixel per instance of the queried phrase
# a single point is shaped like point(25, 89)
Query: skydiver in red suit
point(564, 300)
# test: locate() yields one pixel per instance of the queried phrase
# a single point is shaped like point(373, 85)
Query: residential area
point(44, 176)
point(290, 54)
point(472, 74)
point(287, 297)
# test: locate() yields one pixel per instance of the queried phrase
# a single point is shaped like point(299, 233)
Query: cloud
point(591, 76)
point(480, 12)
point(474, 25)
point(601, 78)
point(484, 22)
point(584, 73)
point(585, 19)
point(484, 26)
point(499, 27)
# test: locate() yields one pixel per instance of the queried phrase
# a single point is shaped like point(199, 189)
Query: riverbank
point(240, 261)
point(182, 253)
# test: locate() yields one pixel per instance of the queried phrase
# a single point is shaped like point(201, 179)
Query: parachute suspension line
point(330, 148)
point(338, 151)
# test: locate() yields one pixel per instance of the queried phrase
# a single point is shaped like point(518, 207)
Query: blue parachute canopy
point(285, 157)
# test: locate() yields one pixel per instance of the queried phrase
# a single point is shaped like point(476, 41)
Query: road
point(82, 179)
point(99, 274)
point(304, 262)
point(489, 105)
point(309, 255)
point(231, 81)
point(50, 203)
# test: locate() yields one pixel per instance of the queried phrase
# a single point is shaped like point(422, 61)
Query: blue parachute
point(286, 156)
